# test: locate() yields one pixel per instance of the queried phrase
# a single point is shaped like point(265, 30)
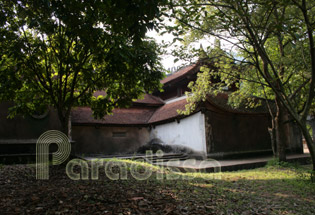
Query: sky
point(167, 60)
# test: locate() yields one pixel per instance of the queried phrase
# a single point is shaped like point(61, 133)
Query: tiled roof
point(221, 101)
point(168, 111)
point(142, 116)
point(121, 116)
point(129, 116)
point(179, 74)
point(150, 100)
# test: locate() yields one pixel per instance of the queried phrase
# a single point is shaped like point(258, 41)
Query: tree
point(250, 25)
point(58, 53)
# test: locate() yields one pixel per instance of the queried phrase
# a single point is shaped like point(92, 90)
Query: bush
point(276, 163)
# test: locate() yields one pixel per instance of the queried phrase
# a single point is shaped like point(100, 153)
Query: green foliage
point(275, 46)
point(274, 41)
point(276, 163)
point(303, 173)
point(58, 53)
point(306, 175)
point(199, 92)
point(220, 72)
point(251, 27)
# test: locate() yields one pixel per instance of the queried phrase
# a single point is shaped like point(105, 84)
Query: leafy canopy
point(59, 53)
point(269, 46)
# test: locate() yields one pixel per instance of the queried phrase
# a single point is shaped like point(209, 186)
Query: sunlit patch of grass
point(298, 174)
point(273, 188)
point(131, 162)
point(269, 190)
point(282, 183)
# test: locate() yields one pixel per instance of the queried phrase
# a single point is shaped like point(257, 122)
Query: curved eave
point(232, 111)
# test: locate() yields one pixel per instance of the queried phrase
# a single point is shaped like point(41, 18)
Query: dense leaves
point(59, 53)
point(271, 42)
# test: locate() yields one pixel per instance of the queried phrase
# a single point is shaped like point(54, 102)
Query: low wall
point(26, 127)
point(109, 140)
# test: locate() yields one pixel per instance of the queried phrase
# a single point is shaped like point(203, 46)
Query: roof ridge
point(153, 112)
point(177, 74)
point(156, 98)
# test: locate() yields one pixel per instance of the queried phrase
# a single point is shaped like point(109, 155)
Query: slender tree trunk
point(65, 120)
point(280, 132)
point(288, 130)
point(310, 32)
point(272, 132)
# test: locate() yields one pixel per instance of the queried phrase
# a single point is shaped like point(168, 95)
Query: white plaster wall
point(190, 132)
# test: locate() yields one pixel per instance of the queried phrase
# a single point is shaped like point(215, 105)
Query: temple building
point(214, 128)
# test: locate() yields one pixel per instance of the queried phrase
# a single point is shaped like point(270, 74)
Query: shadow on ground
point(260, 191)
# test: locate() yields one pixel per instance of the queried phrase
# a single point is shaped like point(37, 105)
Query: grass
point(278, 188)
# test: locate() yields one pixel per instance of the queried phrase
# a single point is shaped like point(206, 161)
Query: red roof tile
point(179, 74)
point(168, 111)
point(129, 116)
point(150, 100)
point(121, 116)
point(145, 115)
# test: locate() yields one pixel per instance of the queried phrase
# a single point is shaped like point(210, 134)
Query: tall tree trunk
point(272, 132)
point(280, 132)
point(310, 32)
point(65, 120)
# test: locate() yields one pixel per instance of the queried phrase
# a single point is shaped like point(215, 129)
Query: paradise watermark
point(116, 169)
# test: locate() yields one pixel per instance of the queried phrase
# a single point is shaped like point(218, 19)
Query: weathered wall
point(27, 127)
point(229, 132)
point(295, 143)
point(100, 140)
point(189, 132)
